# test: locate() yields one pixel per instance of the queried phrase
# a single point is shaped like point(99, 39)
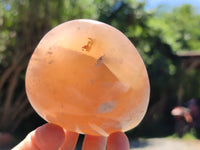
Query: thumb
point(48, 136)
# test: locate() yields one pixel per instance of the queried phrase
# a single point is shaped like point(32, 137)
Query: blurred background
point(166, 34)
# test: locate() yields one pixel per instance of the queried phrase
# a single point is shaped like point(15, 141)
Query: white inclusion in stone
point(78, 130)
point(107, 107)
point(98, 129)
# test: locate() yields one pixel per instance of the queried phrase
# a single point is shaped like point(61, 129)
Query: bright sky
point(151, 4)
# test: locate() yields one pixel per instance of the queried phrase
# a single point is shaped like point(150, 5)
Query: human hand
point(53, 137)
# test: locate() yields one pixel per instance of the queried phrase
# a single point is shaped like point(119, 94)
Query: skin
point(53, 137)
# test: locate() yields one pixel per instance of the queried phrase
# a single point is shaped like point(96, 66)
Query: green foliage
point(179, 28)
point(190, 135)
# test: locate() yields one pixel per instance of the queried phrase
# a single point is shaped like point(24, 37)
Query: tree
point(179, 27)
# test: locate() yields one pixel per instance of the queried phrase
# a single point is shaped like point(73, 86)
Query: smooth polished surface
point(87, 77)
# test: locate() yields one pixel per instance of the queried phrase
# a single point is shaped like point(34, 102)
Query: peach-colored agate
point(87, 77)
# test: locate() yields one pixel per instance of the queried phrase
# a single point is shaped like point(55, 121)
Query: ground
point(165, 144)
